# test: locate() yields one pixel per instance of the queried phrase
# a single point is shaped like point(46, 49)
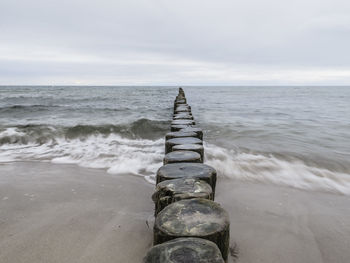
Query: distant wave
point(30, 108)
point(41, 134)
point(268, 168)
point(40, 107)
point(142, 128)
point(24, 106)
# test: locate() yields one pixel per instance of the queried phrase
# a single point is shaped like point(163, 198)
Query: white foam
point(119, 155)
point(261, 168)
point(8, 132)
point(114, 153)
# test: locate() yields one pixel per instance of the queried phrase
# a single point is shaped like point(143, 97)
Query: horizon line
point(171, 85)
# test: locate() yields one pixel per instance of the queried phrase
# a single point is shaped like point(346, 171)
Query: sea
point(291, 136)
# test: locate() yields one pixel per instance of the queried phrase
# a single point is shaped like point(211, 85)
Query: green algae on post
point(194, 218)
point(171, 191)
point(180, 250)
point(187, 170)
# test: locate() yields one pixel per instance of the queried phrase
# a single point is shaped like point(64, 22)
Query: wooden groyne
point(189, 226)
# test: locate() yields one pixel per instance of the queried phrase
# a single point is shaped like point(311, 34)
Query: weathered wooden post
point(187, 170)
point(182, 108)
point(185, 250)
point(194, 218)
point(182, 157)
point(169, 144)
point(183, 116)
point(190, 128)
point(172, 135)
point(171, 191)
point(175, 128)
point(190, 147)
point(189, 227)
point(183, 122)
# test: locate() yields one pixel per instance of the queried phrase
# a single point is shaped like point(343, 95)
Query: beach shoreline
point(66, 213)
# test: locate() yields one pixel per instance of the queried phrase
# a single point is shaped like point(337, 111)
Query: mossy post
point(187, 170)
point(171, 191)
point(198, 217)
point(180, 250)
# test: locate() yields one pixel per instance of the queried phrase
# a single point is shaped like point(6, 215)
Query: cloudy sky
point(175, 42)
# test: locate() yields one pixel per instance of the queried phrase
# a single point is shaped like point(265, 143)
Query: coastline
point(66, 213)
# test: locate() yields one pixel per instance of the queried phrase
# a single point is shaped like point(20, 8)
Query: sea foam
point(255, 167)
point(116, 154)
point(120, 155)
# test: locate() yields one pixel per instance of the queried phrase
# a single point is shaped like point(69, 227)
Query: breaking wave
point(138, 148)
point(257, 167)
point(41, 134)
point(116, 154)
point(134, 148)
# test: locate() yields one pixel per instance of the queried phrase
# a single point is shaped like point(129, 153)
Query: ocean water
point(292, 136)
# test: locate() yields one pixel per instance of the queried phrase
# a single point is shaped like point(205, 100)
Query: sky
point(175, 42)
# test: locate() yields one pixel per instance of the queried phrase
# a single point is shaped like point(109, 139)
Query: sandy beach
point(65, 213)
point(279, 224)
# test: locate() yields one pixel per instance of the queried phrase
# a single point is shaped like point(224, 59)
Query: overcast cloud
point(157, 42)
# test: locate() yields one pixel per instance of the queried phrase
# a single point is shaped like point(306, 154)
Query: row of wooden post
point(189, 226)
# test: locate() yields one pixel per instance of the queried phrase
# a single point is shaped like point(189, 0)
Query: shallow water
point(295, 136)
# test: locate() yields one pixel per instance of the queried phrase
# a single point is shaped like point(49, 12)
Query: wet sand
point(65, 213)
point(279, 224)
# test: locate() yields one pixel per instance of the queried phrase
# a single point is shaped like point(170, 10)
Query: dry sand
point(64, 213)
